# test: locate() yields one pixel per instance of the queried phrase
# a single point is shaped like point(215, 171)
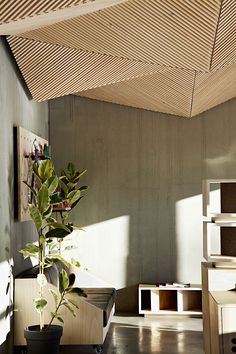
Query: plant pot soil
point(43, 342)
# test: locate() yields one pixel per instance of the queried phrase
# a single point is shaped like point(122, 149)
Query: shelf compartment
point(190, 301)
point(168, 300)
point(145, 304)
point(219, 242)
point(219, 199)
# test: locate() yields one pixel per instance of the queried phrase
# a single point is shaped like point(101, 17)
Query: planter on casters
point(46, 342)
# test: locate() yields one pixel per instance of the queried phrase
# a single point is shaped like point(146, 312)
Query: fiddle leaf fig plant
point(46, 192)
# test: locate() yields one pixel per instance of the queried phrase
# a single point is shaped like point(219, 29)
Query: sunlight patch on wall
point(103, 249)
point(189, 243)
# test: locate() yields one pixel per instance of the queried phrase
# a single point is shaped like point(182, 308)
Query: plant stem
point(57, 308)
point(41, 271)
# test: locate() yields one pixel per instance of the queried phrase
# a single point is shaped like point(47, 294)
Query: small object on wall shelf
point(30, 147)
point(159, 300)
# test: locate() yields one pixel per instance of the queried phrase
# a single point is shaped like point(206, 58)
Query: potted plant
point(47, 192)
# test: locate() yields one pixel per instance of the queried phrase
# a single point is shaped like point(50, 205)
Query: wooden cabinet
point(173, 300)
point(219, 272)
point(223, 329)
point(216, 277)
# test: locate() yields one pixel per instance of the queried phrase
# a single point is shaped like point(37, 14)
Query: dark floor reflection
point(163, 335)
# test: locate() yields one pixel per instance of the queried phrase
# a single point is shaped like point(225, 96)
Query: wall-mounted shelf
point(219, 199)
point(155, 300)
point(219, 241)
point(25, 146)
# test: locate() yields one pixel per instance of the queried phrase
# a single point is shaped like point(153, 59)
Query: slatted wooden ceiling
point(172, 56)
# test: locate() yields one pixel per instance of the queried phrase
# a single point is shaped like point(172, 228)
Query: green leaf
point(48, 262)
point(71, 186)
point(42, 239)
point(30, 250)
point(74, 204)
point(40, 303)
point(80, 175)
point(71, 169)
point(73, 196)
point(63, 187)
point(47, 213)
point(63, 281)
point(35, 216)
point(58, 233)
point(52, 184)
point(74, 303)
point(58, 225)
point(50, 219)
point(63, 177)
point(83, 188)
point(75, 262)
point(56, 198)
point(43, 199)
point(78, 291)
point(45, 170)
point(55, 257)
point(57, 316)
point(71, 279)
point(69, 308)
point(55, 296)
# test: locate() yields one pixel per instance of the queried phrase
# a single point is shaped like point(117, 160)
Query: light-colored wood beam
point(17, 17)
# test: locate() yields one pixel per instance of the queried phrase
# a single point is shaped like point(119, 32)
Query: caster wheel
point(98, 349)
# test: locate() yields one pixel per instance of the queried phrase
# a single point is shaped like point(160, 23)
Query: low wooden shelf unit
point(155, 300)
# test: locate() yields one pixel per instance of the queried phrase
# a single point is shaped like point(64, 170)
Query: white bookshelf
point(213, 190)
point(155, 300)
point(219, 220)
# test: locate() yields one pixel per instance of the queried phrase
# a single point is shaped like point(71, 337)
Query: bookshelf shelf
point(155, 300)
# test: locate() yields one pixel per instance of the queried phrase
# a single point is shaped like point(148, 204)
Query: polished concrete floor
point(162, 335)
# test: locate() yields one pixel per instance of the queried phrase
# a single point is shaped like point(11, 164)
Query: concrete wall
point(143, 212)
point(16, 109)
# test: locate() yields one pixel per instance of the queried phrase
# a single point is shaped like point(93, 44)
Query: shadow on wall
point(15, 68)
point(147, 166)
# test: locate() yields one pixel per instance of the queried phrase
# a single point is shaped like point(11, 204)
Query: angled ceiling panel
point(167, 92)
point(17, 16)
point(225, 44)
point(171, 32)
point(13, 10)
point(51, 71)
point(173, 56)
point(214, 88)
